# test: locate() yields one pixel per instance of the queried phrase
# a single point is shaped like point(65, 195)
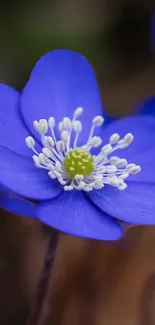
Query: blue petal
point(108, 118)
point(12, 130)
point(142, 150)
point(73, 213)
point(146, 107)
point(135, 205)
point(60, 82)
point(20, 176)
point(17, 205)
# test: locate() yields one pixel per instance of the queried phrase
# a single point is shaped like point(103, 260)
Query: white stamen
point(42, 158)
point(129, 167)
point(111, 169)
point(47, 152)
point(114, 181)
point(95, 142)
point(114, 138)
point(43, 126)
point(36, 125)
point(121, 163)
point(58, 166)
point(128, 138)
point(106, 149)
point(107, 170)
point(64, 136)
point(124, 143)
point(98, 120)
point(61, 126)
point(51, 122)
point(77, 126)
point(61, 145)
point(67, 124)
point(78, 112)
point(49, 142)
point(30, 142)
point(98, 184)
point(114, 160)
point(122, 187)
point(36, 160)
point(79, 178)
point(124, 176)
point(135, 170)
point(68, 187)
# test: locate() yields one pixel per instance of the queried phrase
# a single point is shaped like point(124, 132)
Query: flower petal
point(60, 82)
point(146, 107)
point(135, 205)
point(20, 176)
point(12, 130)
point(108, 118)
point(73, 213)
point(17, 205)
point(142, 150)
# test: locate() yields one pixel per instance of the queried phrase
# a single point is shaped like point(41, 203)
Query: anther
point(47, 152)
point(95, 142)
point(67, 123)
point(77, 126)
point(51, 122)
point(106, 149)
point(78, 112)
point(30, 142)
point(121, 163)
point(122, 187)
point(42, 158)
point(79, 178)
point(36, 160)
point(114, 160)
point(129, 167)
point(98, 120)
point(128, 138)
point(98, 184)
point(114, 138)
point(111, 169)
point(61, 145)
point(64, 136)
point(58, 166)
point(36, 125)
point(43, 126)
point(135, 170)
point(49, 141)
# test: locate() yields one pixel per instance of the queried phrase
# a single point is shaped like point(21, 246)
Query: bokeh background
point(95, 283)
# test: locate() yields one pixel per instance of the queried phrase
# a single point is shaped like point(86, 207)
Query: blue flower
point(51, 152)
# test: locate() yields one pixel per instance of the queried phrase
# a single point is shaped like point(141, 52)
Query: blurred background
point(109, 283)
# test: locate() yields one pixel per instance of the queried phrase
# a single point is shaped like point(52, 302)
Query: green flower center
point(78, 161)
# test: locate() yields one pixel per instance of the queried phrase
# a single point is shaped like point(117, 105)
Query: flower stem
point(35, 315)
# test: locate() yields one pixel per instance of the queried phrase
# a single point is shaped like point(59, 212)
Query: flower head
point(81, 174)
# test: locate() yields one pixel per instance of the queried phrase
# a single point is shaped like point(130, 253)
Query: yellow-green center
point(78, 161)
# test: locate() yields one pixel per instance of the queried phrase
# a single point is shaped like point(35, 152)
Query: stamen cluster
point(75, 167)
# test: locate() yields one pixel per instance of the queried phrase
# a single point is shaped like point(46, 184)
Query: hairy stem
point(39, 299)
